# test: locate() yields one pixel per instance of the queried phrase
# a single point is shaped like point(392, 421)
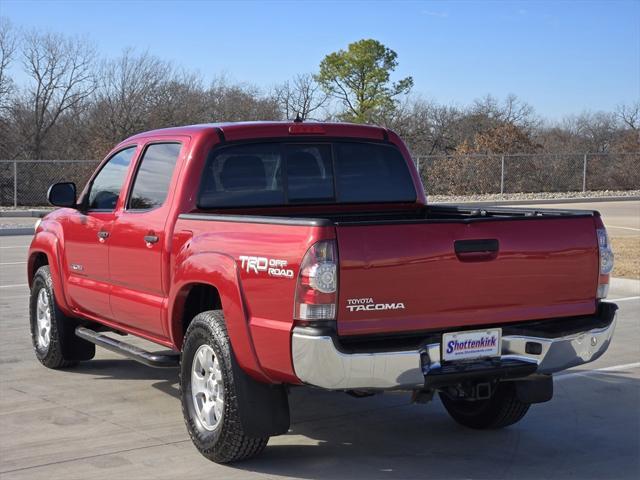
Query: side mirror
point(62, 194)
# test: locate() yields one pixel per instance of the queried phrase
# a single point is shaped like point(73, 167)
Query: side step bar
point(157, 360)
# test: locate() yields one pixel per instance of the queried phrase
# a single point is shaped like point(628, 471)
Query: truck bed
point(446, 267)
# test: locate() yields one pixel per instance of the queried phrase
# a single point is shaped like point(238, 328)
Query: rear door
point(87, 235)
point(446, 275)
point(138, 244)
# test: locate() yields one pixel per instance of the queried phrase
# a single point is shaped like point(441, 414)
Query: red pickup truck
point(271, 255)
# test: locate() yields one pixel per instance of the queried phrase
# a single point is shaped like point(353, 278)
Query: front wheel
point(501, 410)
point(52, 332)
point(209, 393)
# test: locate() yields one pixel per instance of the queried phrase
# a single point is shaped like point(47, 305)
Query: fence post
point(584, 173)
point(15, 184)
point(502, 176)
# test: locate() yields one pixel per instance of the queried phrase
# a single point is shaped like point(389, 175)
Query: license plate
point(471, 345)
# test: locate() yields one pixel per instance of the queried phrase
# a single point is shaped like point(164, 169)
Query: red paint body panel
point(87, 289)
point(545, 267)
point(267, 303)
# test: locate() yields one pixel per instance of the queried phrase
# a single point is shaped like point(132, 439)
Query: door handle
point(476, 250)
point(103, 235)
point(151, 238)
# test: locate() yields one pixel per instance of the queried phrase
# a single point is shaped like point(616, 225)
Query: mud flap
point(263, 408)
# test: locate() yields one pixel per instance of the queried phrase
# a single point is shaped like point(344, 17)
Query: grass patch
point(627, 252)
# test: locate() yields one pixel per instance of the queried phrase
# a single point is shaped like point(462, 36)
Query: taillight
point(606, 254)
point(306, 129)
point(606, 262)
point(317, 287)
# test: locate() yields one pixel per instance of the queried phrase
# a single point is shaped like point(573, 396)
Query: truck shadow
point(125, 369)
point(335, 436)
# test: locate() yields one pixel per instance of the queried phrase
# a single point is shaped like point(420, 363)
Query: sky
point(561, 57)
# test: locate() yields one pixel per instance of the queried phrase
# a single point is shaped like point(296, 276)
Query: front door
point(87, 235)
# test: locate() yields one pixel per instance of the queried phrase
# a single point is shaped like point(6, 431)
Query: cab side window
point(151, 184)
point(106, 186)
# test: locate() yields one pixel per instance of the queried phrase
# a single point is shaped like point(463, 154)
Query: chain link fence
point(25, 182)
point(490, 174)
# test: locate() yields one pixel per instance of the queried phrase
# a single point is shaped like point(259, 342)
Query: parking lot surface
point(621, 218)
point(112, 418)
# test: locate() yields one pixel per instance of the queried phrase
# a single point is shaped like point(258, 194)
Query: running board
point(156, 360)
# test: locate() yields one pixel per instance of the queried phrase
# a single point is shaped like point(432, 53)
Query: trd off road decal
point(368, 305)
point(274, 267)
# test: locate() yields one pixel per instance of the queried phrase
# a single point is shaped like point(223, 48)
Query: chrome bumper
point(317, 361)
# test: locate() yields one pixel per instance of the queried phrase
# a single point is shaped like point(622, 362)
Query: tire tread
point(232, 445)
point(65, 349)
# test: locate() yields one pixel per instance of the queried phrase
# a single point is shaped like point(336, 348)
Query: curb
point(627, 287)
point(24, 213)
point(491, 203)
point(6, 232)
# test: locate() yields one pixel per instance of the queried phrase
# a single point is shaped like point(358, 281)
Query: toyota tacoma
point(267, 255)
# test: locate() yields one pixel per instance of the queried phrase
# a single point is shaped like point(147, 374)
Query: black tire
point(499, 411)
point(64, 349)
point(228, 441)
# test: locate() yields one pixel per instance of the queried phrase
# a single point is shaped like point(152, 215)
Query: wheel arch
point(210, 281)
point(37, 259)
point(44, 250)
point(194, 298)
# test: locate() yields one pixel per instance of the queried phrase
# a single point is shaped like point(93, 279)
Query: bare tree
point(301, 96)
point(127, 92)
point(511, 110)
point(7, 49)
point(181, 100)
point(229, 102)
point(428, 127)
point(630, 115)
point(61, 78)
point(596, 131)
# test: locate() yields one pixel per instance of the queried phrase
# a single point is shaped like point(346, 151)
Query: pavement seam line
point(98, 455)
point(597, 371)
point(624, 299)
point(624, 228)
point(94, 417)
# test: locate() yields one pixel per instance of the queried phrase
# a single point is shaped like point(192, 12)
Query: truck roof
point(263, 129)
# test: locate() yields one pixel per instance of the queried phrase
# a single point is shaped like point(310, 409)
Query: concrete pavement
point(113, 418)
point(622, 219)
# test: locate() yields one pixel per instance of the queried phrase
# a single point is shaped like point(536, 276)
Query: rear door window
point(151, 184)
point(272, 174)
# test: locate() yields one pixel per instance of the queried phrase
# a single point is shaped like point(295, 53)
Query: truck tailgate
point(408, 276)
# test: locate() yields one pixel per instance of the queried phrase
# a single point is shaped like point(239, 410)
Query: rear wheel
point(52, 332)
point(209, 393)
point(499, 411)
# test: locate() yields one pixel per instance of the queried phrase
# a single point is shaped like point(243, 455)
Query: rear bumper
point(319, 360)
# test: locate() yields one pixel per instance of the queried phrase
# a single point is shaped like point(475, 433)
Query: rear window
point(271, 174)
